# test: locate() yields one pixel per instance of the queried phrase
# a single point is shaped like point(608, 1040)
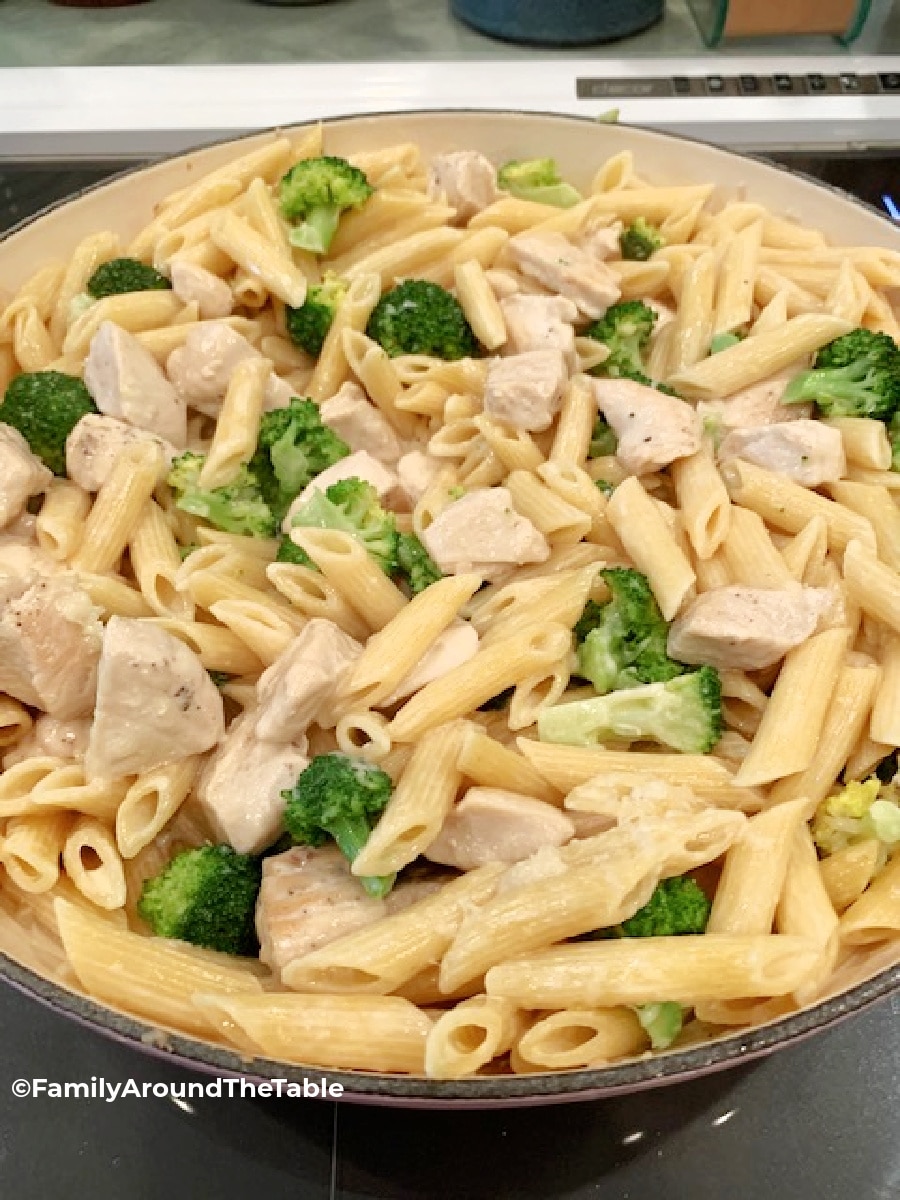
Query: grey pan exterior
point(484, 1092)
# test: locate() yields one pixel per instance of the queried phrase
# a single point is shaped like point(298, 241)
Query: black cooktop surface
point(817, 1121)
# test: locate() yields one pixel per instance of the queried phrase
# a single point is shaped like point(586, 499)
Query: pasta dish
point(449, 620)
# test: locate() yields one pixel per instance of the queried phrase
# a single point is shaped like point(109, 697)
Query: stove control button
point(849, 83)
point(749, 85)
point(817, 83)
point(682, 85)
point(890, 81)
point(715, 84)
point(783, 83)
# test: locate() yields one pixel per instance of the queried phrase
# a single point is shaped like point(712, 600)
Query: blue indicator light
point(893, 209)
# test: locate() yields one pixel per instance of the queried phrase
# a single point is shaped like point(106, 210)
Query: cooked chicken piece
point(95, 444)
point(360, 424)
point(309, 898)
point(565, 268)
point(201, 369)
point(759, 404)
point(494, 825)
point(22, 474)
point(808, 452)
point(240, 786)
point(653, 429)
point(360, 465)
point(482, 532)
point(20, 565)
point(155, 702)
point(126, 381)
point(50, 736)
point(603, 243)
point(20, 531)
point(416, 473)
point(466, 180)
point(746, 628)
point(450, 649)
point(193, 284)
point(50, 639)
point(540, 323)
point(303, 680)
point(525, 390)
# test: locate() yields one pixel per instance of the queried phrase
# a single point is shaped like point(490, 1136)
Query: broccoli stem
point(317, 230)
point(351, 833)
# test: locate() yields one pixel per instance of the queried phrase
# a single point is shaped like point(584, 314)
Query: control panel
point(845, 83)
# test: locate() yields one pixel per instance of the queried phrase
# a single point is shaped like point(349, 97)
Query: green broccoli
point(663, 1022)
point(419, 317)
point(724, 341)
point(315, 192)
point(290, 552)
point(894, 435)
point(856, 375)
point(339, 797)
point(603, 440)
point(625, 329)
point(537, 179)
point(122, 275)
point(605, 487)
point(678, 906)
point(353, 505)
point(293, 448)
point(640, 240)
point(417, 567)
point(45, 406)
point(239, 507)
point(207, 897)
point(220, 678)
point(626, 642)
point(308, 325)
point(863, 810)
point(684, 713)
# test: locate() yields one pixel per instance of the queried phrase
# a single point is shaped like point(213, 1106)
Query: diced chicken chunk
point(482, 532)
point(808, 452)
point(653, 429)
point(20, 564)
point(303, 680)
point(746, 628)
point(155, 702)
point(193, 284)
point(240, 786)
point(22, 474)
point(759, 404)
point(53, 737)
point(450, 649)
point(50, 639)
point(201, 369)
point(465, 179)
point(540, 323)
point(494, 825)
point(308, 898)
point(566, 269)
point(360, 465)
point(525, 390)
point(126, 381)
point(360, 424)
point(603, 242)
point(95, 444)
point(416, 472)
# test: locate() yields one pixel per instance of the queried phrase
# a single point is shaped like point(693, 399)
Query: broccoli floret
point(684, 713)
point(207, 897)
point(626, 642)
point(353, 505)
point(290, 552)
point(894, 435)
point(856, 375)
point(239, 507)
point(416, 565)
point(663, 1022)
point(724, 341)
point(122, 275)
point(861, 811)
point(45, 406)
point(315, 192)
point(537, 179)
point(603, 440)
point(339, 797)
point(625, 329)
point(293, 448)
point(308, 325)
point(419, 317)
point(640, 240)
point(591, 618)
point(605, 486)
point(678, 906)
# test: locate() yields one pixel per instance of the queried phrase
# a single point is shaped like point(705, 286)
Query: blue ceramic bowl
point(559, 22)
